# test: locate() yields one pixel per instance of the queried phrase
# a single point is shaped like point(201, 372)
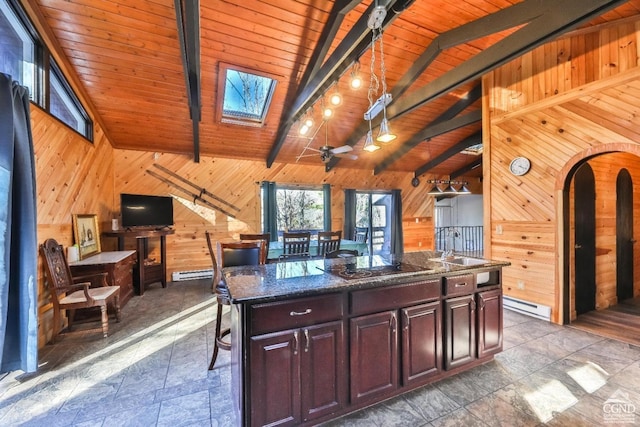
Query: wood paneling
point(555, 105)
point(237, 182)
point(73, 176)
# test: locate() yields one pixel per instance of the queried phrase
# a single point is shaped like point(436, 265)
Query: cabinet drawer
point(393, 297)
point(277, 316)
point(459, 285)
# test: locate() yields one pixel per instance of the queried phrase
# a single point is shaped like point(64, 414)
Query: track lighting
point(449, 189)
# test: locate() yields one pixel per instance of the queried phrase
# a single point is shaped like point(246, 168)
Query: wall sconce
point(449, 189)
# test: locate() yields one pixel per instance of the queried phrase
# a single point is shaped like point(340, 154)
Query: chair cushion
point(98, 294)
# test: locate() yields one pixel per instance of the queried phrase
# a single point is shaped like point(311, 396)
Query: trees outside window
point(299, 209)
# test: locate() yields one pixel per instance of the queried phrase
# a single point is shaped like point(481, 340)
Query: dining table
point(276, 249)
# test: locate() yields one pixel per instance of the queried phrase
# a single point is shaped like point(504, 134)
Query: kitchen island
point(314, 340)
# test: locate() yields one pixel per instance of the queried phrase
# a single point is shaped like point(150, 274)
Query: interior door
point(624, 236)
point(585, 239)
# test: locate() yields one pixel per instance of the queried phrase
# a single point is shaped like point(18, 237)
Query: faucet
point(452, 233)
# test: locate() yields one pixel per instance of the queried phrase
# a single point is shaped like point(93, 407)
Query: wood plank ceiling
point(128, 56)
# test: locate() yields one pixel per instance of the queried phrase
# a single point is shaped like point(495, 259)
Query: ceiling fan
point(326, 152)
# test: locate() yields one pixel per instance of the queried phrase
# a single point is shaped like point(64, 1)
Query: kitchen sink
point(465, 261)
point(461, 260)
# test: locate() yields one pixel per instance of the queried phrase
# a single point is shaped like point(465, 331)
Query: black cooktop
point(363, 267)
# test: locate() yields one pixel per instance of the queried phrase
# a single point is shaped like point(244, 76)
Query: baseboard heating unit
point(180, 276)
point(529, 308)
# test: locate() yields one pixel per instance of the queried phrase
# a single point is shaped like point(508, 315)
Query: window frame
point(313, 188)
point(221, 117)
point(44, 65)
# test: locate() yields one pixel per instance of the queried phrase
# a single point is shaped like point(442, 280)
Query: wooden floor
point(621, 321)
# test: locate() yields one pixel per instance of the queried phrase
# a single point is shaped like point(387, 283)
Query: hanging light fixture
point(385, 135)
point(369, 144)
point(336, 98)
point(449, 189)
point(355, 81)
point(308, 121)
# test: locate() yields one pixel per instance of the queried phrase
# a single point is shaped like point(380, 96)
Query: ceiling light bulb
point(304, 129)
point(327, 113)
point(385, 134)
point(356, 81)
point(369, 145)
point(336, 99)
point(308, 122)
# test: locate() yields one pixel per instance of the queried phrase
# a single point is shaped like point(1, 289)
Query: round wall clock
point(519, 166)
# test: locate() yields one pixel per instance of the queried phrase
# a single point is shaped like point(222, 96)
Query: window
point(17, 49)
point(299, 209)
point(246, 98)
point(64, 105)
point(26, 59)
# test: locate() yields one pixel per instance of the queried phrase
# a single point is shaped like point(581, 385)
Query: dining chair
point(264, 237)
point(296, 245)
point(74, 293)
point(360, 235)
point(229, 254)
point(328, 241)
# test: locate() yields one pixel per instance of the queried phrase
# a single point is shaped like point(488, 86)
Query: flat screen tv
point(139, 210)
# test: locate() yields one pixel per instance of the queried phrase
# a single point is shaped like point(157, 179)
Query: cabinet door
point(275, 379)
point(324, 377)
point(460, 332)
point(374, 355)
point(489, 322)
point(421, 342)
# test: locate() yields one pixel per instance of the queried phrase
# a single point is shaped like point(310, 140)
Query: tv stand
point(146, 271)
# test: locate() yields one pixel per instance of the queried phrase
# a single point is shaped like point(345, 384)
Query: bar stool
point(230, 254)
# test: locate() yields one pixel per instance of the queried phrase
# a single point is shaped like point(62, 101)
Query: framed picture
point(86, 234)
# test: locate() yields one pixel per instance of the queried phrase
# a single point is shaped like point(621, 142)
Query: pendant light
point(369, 145)
point(385, 135)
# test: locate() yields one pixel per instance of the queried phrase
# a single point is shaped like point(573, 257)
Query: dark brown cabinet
point(374, 355)
point(489, 305)
point(421, 343)
point(297, 375)
point(460, 331)
point(306, 360)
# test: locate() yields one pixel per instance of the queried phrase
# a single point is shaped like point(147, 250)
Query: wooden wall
point(557, 105)
point(237, 182)
point(73, 176)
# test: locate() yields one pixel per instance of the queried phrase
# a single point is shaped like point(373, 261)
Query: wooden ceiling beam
point(349, 49)
point(558, 18)
point(474, 139)
point(444, 123)
point(476, 163)
point(188, 20)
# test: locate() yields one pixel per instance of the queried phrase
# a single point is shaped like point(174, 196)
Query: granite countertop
point(285, 280)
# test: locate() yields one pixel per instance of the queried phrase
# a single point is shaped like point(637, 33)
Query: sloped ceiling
point(128, 56)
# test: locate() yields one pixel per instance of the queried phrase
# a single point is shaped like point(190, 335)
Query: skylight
point(247, 97)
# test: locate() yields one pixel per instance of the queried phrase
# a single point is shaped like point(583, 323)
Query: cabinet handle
point(306, 341)
point(460, 285)
point(393, 322)
point(300, 313)
point(295, 342)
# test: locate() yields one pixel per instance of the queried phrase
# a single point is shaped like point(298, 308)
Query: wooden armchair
point(73, 293)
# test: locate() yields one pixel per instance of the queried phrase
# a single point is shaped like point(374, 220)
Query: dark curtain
point(349, 214)
point(269, 209)
point(18, 239)
point(326, 192)
point(397, 239)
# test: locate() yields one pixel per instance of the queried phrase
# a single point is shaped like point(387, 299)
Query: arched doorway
point(608, 160)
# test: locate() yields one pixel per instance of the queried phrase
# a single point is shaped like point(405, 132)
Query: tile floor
point(152, 370)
